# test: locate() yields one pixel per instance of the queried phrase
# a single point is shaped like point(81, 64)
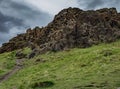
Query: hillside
point(77, 50)
point(97, 67)
point(70, 28)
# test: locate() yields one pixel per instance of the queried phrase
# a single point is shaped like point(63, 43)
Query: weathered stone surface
point(70, 28)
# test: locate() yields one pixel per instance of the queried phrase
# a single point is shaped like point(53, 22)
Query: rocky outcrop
point(70, 28)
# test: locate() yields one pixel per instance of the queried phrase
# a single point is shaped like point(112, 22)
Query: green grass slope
point(7, 62)
point(97, 67)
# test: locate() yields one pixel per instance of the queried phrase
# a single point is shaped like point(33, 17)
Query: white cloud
point(41, 12)
point(52, 6)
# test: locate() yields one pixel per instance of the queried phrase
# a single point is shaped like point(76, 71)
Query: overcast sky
point(18, 15)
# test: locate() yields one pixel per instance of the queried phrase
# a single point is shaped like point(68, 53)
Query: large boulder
point(72, 27)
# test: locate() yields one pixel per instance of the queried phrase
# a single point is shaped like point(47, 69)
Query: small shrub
point(12, 55)
point(42, 84)
point(106, 53)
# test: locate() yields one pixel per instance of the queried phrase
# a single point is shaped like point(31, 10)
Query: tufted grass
point(97, 67)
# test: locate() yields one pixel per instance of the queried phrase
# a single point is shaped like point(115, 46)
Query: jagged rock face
point(71, 28)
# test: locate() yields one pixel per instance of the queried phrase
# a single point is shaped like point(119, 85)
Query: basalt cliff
point(71, 27)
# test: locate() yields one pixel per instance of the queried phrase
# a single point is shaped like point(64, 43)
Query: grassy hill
point(97, 67)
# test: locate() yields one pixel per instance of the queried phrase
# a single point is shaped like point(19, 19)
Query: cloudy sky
point(18, 15)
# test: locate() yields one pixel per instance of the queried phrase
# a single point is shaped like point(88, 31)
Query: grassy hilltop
point(97, 67)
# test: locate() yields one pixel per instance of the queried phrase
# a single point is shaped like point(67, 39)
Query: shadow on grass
point(44, 84)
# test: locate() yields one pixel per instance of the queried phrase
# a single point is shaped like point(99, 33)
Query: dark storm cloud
point(16, 17)
point(90, 4)
point(27, 13)
point(7, 22)
point(97, 4)
point(1, 1)
point(94, 3)
point(2, 38)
